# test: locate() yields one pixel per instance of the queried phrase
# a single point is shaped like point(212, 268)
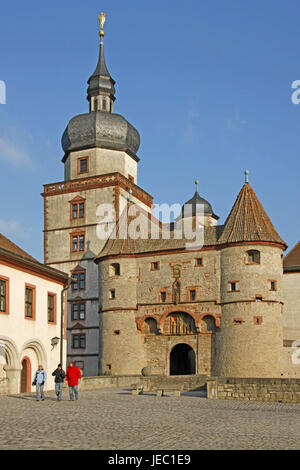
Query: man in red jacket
point(72, 377)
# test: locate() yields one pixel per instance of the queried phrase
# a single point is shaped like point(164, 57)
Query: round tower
point(250, 341)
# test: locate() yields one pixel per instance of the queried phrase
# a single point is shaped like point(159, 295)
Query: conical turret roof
point(248, 221)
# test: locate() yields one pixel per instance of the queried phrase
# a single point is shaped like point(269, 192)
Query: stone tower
point(100, 167)
point(250, 341)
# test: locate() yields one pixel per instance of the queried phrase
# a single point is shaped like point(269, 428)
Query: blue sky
point(207, 84)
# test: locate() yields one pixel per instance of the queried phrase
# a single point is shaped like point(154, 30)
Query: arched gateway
point(182, 360)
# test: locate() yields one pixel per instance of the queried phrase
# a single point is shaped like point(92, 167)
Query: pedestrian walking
point(73, 375)
point(60, 376)
point(39, 380)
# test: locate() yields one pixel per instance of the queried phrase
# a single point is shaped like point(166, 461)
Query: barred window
point(51, 308)
point(3, 294)
point(29, 307)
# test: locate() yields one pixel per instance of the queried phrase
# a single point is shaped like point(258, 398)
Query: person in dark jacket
point(60, 376)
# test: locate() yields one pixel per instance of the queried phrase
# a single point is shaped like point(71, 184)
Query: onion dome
point(197, 205)
point(100, 127)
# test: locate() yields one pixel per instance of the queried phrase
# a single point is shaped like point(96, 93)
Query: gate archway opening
point(182, 360)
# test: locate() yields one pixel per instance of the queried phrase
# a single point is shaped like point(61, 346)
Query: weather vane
point(101, 18)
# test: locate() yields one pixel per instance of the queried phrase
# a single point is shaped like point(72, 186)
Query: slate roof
point(195, 205)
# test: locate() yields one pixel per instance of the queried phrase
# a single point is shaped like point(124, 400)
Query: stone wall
point(254, 389)
point(183, 382)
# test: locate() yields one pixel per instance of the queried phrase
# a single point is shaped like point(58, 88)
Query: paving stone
point(114, 419)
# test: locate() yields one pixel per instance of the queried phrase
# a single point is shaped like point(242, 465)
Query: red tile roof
point(6, 244)
point(293, 257)
point(248, 221)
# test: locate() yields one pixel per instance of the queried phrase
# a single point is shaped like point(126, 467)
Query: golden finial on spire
point(101, 18)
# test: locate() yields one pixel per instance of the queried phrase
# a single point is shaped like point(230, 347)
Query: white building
point(32, 330)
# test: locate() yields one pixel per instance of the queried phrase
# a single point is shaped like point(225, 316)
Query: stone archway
point(36, 347)
point(10, 364)
point(182, 360)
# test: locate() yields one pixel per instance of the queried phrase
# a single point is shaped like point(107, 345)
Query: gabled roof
point(293, 257)
point(6, 244)
point(122, 243)
point(13, 254)
point(248, 221)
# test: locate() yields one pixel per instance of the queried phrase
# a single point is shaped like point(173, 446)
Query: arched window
point(253, 257)
point(208, 324)
point(179, 323)
point(150, 326)
point(114, 269)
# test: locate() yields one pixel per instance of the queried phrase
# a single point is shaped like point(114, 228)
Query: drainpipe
point(70, 280)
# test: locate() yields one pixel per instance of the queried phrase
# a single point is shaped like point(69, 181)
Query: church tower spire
point(101, 90)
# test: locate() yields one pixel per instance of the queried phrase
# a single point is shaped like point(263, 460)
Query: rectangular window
point(82, 341)
point(51, 308)
point(78, 210)
point(3, 295)
point(78, 243)
point(79, 341)
point(192, 294)
point(199, 262)
point(78, 311)
point(81, 242)
point(112, 294)
point(74, 243)
point(78, 281)
point(273, 285)
point(82, 281)
point(81, 210)
point(163, 296)
point(155, 266)
point(30, 302)
point(75, 341)
point(74, 211)
point(82, 165)
point(233, 286)
point(75, 284)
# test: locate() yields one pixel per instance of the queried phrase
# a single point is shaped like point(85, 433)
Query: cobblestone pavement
point(115, 419)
